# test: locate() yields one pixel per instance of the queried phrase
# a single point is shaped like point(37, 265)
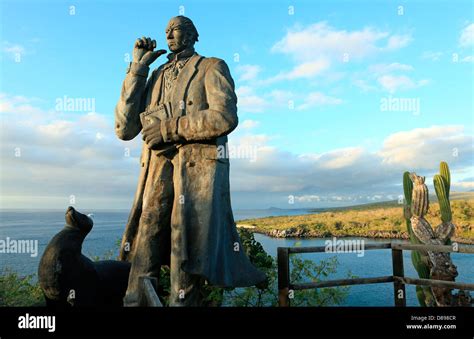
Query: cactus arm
point(446, 174)
point(420, 199)
point(440, 187)
point(407, 187)
point(407, 190)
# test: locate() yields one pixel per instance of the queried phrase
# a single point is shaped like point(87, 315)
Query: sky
point(336, 99)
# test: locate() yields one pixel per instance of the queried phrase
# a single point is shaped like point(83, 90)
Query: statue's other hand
point(152, 132)
point(143, 51)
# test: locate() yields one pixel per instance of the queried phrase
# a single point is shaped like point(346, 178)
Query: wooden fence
point(397, 278)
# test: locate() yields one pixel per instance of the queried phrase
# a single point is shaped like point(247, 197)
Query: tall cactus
point(419, 259)
point(431, 265)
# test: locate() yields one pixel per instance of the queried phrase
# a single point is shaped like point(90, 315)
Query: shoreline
point(382, 220)
point(304, 234)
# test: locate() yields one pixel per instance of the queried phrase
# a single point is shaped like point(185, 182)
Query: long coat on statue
point(203, 111)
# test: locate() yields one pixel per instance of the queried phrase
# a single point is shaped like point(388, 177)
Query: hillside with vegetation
point(378, 220)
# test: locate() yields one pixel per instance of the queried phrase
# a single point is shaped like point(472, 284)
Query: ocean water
point(102, 240)
point(109, 225)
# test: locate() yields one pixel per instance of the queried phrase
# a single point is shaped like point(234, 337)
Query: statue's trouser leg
point(186, 289)
point(153, 238)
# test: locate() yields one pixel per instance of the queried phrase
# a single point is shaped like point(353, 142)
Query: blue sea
point(108, 227)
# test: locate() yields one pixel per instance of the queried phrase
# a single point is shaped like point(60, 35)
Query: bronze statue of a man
point(182, 213)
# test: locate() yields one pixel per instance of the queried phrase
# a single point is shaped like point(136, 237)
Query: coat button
point(190, 103)
point(191, 164)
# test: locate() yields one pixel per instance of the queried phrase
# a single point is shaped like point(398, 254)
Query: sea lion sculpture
point(69, 278)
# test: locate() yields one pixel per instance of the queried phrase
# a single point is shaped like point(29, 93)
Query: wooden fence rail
point(285, 286)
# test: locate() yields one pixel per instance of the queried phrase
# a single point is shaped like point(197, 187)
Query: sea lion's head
point(78, 220)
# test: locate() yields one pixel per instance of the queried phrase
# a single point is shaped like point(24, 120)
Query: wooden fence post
point(398, 286)
point(283, 277)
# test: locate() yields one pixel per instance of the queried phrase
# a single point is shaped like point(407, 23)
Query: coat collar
point(183, 79)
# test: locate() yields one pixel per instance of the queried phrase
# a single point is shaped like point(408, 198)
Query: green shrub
point(301, 271)
point(17, 291)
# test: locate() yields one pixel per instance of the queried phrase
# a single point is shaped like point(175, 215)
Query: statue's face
point(176, 36)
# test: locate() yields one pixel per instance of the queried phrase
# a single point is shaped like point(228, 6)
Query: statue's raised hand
point(143, 51)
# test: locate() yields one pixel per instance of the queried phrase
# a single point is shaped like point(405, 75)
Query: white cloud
point(56, 130)
point(288, 173)
point(18, 104)
point(393, 83)
point(249, 124)
point(312, 198)
point(430, 55)
point(350, 174)
point(254, 140)
point(398, 41)
point(55, 155)
point(426, 147)
point(248, 72)
point(364, 85)
point(249, 101)
point(281, 96)
point(322, 40)
point(318, 99)
point(469, 58)
point(463, 184)
point(466, 38)
point(305, 70)
point(341, 157)
point(308, 198)
point(388, 68)
point(390, 76)
point(12, 49)
point(308, 69)
point(315, 48)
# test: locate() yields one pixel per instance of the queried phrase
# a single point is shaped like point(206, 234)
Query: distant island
point(375, 220)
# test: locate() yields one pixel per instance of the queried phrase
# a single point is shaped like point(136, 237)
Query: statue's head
point(180, 34)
